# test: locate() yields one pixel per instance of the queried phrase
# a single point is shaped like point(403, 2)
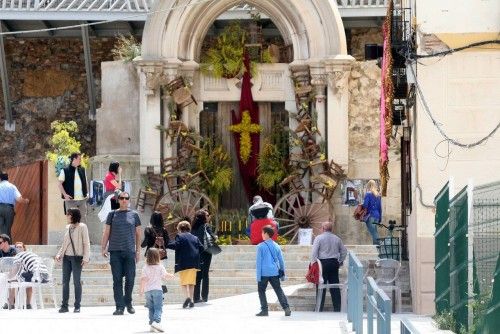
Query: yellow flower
point(322, 157)
point(245, 129)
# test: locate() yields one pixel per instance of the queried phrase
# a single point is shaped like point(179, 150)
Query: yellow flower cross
point(245, 128)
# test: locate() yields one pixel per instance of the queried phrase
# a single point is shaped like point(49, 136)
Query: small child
point(152, 275)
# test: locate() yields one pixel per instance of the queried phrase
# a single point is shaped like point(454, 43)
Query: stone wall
point(358, 37)
point(47, 83)
point(364, 100)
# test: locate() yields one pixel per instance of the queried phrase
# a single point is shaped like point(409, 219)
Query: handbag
point(312, 275)
point(209, 245)
point(360, 213)
point(281, 272)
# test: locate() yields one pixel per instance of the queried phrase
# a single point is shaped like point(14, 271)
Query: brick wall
point(48, 82)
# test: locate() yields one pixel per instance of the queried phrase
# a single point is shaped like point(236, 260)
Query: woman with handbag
point(74, 253)
point(202, 229)
point(372, 203)
point(156, 236)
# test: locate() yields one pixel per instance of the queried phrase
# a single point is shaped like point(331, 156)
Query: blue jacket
point(373, 204)
point(187, 251)
point(268, 253)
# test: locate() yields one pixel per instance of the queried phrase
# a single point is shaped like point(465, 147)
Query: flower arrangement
point(245, 128)
point(63, 143)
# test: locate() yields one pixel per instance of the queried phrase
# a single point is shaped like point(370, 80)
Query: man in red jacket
point(256, 230)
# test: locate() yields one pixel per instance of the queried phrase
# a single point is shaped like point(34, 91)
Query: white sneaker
point(156, 326)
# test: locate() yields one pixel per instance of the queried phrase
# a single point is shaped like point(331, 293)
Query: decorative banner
point(246, 129)
point(386, 99)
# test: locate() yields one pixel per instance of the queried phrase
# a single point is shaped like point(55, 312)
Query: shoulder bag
point(77, 257)
point(209, 244)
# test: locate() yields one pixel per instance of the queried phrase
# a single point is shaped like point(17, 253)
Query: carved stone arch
point(177, 28)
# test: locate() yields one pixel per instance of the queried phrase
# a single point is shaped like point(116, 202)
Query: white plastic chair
point(6, 264)
point(37, 287)
point(324, 286)
point(387, 271)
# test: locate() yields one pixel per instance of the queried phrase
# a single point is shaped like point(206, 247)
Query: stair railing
point(378, 302)
point(355, 277)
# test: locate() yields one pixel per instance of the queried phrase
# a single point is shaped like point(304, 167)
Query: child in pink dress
point(152, 276)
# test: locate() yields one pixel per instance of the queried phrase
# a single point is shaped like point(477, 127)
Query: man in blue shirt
point(269, 262)
point(9, 195)
point(123, 232)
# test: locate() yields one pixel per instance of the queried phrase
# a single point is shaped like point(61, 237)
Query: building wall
point(358, 37)
point(364, 104)
point(47, 82)
point(462, 93)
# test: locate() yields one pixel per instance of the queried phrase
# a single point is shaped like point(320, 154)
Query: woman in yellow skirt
point(187, 259)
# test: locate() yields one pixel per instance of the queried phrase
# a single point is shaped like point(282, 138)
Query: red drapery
point(248, 171)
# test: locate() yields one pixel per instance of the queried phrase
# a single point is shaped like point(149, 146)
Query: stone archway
point(176, 31)
point(172, 41)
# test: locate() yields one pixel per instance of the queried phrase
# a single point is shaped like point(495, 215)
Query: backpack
point(160, 244)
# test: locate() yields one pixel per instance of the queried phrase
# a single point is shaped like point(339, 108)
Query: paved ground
point(227, 315)
point(234, 315)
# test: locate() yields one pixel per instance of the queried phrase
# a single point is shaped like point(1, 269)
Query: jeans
point(202, 281)
point(331, 276)
point(154, 302)
point(122, 265)
point(275, 283)
point(71, 264)
point(372, 229)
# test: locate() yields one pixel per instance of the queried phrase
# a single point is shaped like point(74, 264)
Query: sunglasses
point(124, 198)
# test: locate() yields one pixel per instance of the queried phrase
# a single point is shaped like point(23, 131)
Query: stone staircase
point(232, 272)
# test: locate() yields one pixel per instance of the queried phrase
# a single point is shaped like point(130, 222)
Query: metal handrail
point(355, 277)
point(407, 327)
point(381, 304)
point(361, 3)
point(78, 5)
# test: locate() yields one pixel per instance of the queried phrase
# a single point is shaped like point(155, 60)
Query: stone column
point(338, 69)
point(319, 82)
point(152, 74)
point(190, 113)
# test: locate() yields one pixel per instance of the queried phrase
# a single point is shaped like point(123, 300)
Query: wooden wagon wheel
point(306, 208)
point(183, 203)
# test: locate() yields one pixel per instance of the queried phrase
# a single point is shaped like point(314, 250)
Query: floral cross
point(245, 128)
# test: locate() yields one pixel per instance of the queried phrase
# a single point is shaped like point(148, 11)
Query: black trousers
point(72, 264)
point(275, 283)
point(331, 276)
point(6, 218)
point(202, 280)
point(122, 265)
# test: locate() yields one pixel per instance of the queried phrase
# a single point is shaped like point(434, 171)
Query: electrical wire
point(438, 125)
point(103, 21)
point(450, 51)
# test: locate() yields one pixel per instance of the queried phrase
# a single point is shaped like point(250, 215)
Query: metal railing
point(407, 327)
point(361, 3)
point(78, 5)
point(355, 293)
point(379, 303)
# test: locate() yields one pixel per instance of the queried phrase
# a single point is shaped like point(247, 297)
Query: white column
point(152, 76)
point(337, 123)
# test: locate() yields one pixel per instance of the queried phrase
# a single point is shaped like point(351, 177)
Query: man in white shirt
point(73, 186)
point(9, 196)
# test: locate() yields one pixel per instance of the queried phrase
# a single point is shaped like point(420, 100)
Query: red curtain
point(248, 171)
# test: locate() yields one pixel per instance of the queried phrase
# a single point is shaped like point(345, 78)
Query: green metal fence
point(467, 241)
point(441, 240)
